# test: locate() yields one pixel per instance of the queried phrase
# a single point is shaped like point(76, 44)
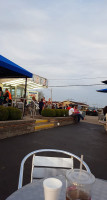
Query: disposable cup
point(79, 184)
point(52, 188)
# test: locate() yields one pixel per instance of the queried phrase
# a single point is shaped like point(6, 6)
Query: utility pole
point(51, 95)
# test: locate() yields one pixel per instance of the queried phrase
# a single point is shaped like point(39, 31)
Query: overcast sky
point(60, 39)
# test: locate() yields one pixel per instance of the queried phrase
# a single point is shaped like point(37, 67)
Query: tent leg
point(25, 95)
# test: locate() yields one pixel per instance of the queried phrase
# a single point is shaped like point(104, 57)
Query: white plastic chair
point(43, 166)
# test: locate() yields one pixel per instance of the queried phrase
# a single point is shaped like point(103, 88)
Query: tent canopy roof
point(8, 69)
point(104, 81)
point(102, 90)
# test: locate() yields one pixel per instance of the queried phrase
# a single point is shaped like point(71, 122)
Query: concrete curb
point(20, 127)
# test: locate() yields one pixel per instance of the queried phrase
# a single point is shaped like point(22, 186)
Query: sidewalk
point(91, 119)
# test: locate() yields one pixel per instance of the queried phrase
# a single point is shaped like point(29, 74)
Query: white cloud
point(58, 39)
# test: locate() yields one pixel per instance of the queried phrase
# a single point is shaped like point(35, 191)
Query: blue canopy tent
point(8, 69)
point(102, 90)
point(104, 81)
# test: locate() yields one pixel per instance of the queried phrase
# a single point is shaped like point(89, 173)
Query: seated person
point(71, 110)
point(75, 112)
point(76, 109)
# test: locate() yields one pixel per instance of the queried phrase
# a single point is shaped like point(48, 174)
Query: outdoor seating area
point(57, 168)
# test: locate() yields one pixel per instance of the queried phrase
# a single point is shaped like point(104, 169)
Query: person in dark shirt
point(41, 104)
point(6, 97)
point(1, 96)
point(104, 112)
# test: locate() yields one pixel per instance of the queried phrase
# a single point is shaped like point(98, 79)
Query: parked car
point(92, 112)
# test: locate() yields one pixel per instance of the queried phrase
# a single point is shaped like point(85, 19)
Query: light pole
point(51, 95)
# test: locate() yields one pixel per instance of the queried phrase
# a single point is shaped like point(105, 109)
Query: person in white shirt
point(71, 111)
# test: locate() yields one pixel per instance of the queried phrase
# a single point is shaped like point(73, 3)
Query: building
point(81, 105)
point(20, 82)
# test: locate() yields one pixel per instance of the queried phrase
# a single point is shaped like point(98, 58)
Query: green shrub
point(54, 113)
point(48, 112)
point(66, 113)
point(58, 112)
point(3, 113)
point(14, 113)
point(63, 113)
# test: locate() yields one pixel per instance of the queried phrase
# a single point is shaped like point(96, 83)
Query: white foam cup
point(52, 188)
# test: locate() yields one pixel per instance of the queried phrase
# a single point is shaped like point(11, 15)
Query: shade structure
point(104, 81)
point(102, 90)
point(8, 69)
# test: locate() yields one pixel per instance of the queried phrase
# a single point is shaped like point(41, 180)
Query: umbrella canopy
point(8, 69)
point(102, 90)
point(104, 81)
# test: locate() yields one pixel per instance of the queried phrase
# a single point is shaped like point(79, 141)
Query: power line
point(74, 85)
point(77, 78)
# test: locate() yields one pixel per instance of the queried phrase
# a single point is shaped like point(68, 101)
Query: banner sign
point(40, 80)
point(32, 94)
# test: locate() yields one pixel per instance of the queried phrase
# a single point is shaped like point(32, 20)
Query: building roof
point(8, 69)
point(77, 103)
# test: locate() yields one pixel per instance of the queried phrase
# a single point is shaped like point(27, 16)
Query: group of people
point(73, 111)
point(48, 104)
point(5, 98)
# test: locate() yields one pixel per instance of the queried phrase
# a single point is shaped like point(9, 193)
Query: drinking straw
point(81, 163)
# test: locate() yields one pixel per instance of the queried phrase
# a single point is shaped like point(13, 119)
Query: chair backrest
point(49, 166)
point(43, 166)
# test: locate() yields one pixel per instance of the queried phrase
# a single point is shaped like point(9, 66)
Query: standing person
point(49, 104)
point(33, 106)
point(69, 107)
point(44, 101)
point(60, 106)
point(1, 96)
point(7, 97)
point(41, 104)
point(104, 112)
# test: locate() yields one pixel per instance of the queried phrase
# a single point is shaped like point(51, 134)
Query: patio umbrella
point(102, 90)
point(104, 81)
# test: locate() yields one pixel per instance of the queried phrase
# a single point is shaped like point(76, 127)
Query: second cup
point(52, 188)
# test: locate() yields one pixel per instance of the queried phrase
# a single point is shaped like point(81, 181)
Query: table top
point(34, 191)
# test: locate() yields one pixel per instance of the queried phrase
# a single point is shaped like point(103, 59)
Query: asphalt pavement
point(83, 138)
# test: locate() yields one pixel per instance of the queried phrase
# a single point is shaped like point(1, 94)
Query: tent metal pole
point(25, 95)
